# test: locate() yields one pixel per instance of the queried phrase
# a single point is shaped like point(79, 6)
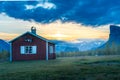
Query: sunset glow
point(11, 28)
point(55, 31)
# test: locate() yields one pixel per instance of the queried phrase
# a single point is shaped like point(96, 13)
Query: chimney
point(33, 30)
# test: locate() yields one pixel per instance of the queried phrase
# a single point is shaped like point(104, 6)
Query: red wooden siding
point(41, 48)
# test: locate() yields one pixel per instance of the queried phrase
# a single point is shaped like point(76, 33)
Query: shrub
point(4, 55)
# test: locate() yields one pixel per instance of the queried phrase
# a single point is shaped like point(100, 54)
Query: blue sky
point(16, 17)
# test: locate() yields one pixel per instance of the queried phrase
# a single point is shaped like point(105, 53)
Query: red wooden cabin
point(30, 46)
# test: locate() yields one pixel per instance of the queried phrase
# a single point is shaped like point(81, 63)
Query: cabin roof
point(40, 37)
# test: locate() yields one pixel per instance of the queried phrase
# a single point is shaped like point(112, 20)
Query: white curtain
point(34, 49)
point(22, 49)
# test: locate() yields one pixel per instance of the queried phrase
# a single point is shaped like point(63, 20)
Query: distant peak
point(114, 36)
point(114, 29)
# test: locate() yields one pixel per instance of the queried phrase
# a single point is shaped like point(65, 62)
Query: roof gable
point(32, 35)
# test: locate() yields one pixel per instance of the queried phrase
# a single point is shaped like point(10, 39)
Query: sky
point(59, 19)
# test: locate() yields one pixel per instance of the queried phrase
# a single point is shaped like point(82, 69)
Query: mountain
point(4, 45)
point(78, 45)
point(114, 36)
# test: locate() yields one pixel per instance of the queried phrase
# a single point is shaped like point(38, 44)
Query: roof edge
point(33, 35)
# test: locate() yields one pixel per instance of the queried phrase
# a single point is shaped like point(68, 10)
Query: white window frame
point(28, 49)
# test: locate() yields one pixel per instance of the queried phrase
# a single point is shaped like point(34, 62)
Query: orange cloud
point(7, 36)
point(71, 31)
point(56, 30)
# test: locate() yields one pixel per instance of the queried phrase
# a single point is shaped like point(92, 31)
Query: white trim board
point(10, 52)
point(46, 50)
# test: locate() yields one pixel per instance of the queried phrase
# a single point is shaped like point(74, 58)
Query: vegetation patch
point(63, 68)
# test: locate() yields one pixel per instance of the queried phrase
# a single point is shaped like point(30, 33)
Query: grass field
point(63, 68)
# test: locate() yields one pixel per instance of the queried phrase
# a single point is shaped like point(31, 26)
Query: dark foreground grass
point(67, 68)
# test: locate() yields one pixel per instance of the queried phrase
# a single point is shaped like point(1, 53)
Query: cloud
point(86, 12)
point(7, 36)
point(46, 5)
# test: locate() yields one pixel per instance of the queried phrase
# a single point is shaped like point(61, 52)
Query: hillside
point(4, 45)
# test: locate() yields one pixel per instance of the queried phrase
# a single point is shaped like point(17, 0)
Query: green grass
point(63, 68)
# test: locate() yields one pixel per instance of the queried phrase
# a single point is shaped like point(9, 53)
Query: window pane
point(27, 49)
point(30, 49)
point(51, 49)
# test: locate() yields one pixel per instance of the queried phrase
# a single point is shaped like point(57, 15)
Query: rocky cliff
point(114, 36)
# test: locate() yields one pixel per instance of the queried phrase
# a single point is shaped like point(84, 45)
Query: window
point(28, 49)
point(51, 49)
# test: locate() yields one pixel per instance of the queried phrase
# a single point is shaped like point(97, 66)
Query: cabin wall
point(41, 48)
point(51, 55)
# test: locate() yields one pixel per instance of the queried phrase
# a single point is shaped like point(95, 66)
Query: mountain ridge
point(4, 45)
point(78, 45)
